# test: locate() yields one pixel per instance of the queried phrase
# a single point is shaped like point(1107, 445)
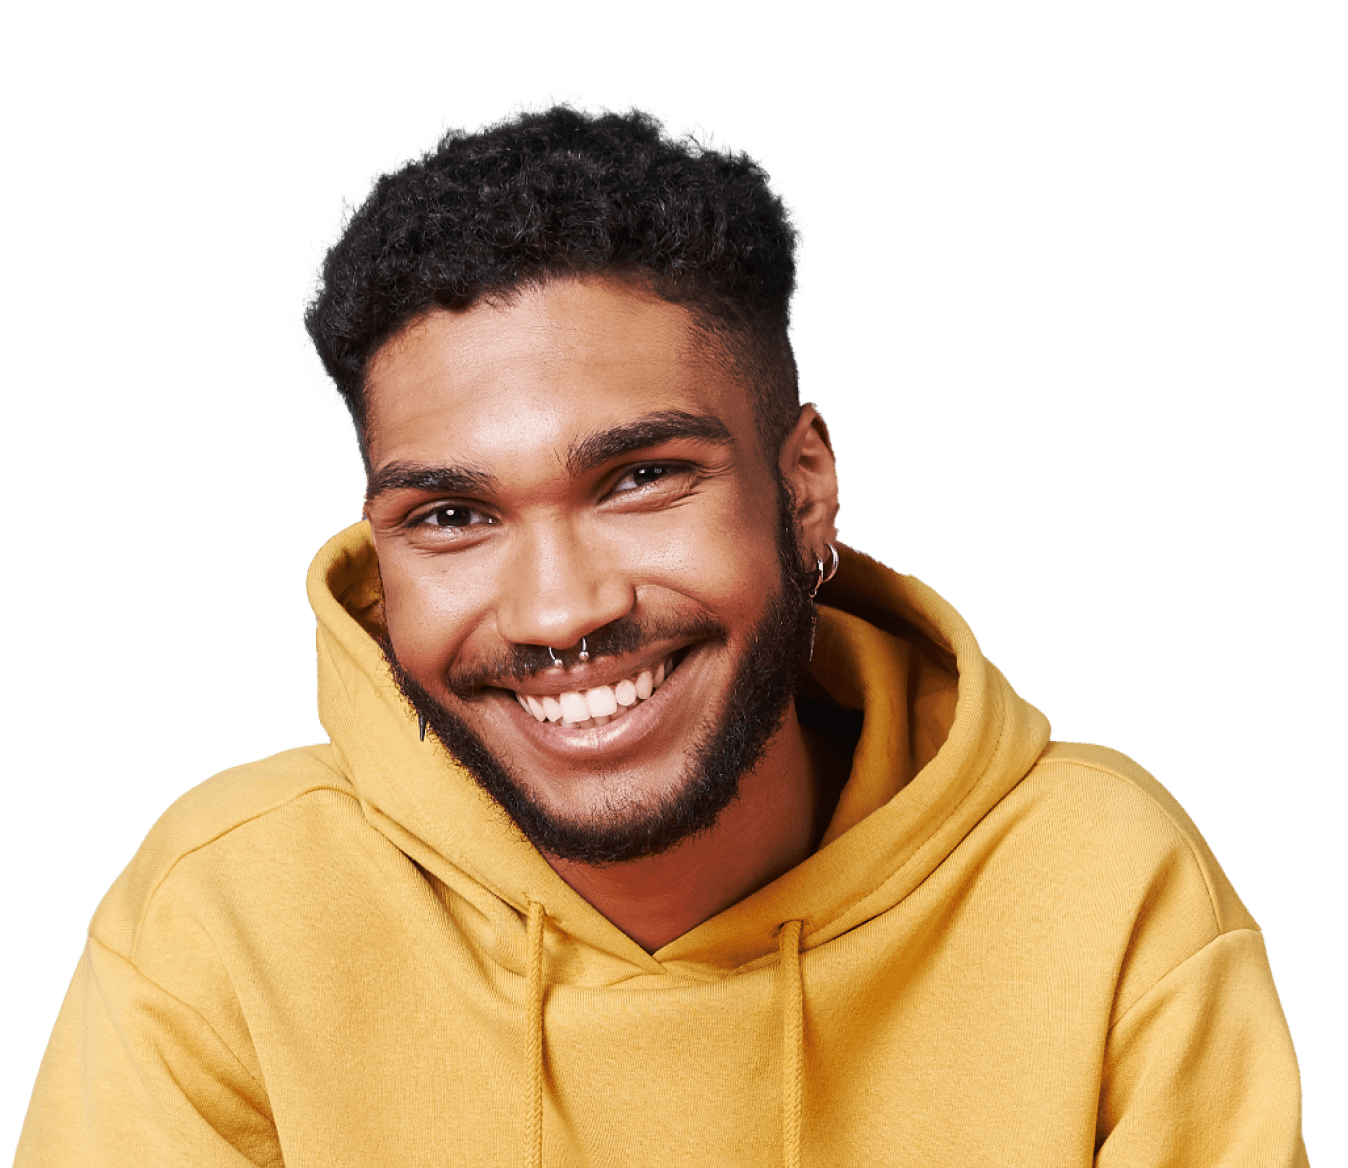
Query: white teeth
point(574, 707)
point(601, 701)
point(599, 705)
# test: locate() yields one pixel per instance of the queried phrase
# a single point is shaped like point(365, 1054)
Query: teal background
point(1071, 298)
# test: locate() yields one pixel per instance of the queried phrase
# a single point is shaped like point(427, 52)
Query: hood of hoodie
point(943, 739)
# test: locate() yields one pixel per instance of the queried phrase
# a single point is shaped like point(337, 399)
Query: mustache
point(626, 635)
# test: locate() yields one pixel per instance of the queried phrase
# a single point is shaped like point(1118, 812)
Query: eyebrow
point(641, 433)
point(420, 476)
point(582, 456)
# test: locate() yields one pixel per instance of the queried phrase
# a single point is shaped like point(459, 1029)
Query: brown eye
point(643, 476)
point(449, 517)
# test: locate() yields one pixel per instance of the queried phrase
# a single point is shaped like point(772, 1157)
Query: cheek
point(428, 611)
point(724, 557)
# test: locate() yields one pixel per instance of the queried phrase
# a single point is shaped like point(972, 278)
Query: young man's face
point(575, 477)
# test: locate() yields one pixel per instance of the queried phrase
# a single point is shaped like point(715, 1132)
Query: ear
point(806, 462)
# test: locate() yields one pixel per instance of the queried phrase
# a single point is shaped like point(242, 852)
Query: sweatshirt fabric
point(1005, 952)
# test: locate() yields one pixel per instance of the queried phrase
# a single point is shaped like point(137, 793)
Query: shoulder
point(1123, 840)
point(209, 818)
point(1121, 808)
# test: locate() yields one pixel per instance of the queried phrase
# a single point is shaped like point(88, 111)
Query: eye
point(450, 515)
point(642, 477)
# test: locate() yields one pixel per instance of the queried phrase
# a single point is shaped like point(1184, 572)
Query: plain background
point(1072, 297)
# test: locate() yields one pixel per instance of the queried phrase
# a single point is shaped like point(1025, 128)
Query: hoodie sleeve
point(1200, 1072)
point(134, 1076)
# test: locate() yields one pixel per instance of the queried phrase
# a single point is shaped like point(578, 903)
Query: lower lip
point(621, 733)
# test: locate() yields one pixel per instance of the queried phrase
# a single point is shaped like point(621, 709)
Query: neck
point(765, 832)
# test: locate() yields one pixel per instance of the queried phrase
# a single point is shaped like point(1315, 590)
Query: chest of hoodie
point(383, 1010)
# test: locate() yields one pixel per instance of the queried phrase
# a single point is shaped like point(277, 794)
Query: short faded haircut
point(564, 194)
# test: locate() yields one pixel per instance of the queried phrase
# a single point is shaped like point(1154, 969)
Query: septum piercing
point(583, 655)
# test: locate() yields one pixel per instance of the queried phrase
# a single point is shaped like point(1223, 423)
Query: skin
point(544, 467)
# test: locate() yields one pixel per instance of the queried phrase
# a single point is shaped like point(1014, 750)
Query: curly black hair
point(565, 194)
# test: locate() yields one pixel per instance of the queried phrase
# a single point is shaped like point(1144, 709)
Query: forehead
point(528, 376)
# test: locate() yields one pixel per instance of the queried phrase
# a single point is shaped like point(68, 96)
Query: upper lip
point(579, 678)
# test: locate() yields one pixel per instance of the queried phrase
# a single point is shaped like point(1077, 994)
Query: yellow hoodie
point(1006, 952)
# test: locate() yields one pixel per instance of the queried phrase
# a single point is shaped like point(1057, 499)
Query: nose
point(557, 587)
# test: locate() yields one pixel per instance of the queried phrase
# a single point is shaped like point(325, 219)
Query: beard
point(725, 748)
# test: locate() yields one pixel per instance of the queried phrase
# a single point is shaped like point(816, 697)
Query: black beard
point(758, 699)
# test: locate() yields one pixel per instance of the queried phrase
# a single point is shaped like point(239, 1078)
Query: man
point(655, 828)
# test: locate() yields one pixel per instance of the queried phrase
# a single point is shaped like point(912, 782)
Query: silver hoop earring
point(825, 574)
point(584, 654)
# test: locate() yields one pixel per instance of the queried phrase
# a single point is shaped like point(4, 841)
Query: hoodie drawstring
point(793, 1041)
point(534, 1036)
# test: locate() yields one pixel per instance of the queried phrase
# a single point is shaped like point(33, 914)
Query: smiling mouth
point(582, 709)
